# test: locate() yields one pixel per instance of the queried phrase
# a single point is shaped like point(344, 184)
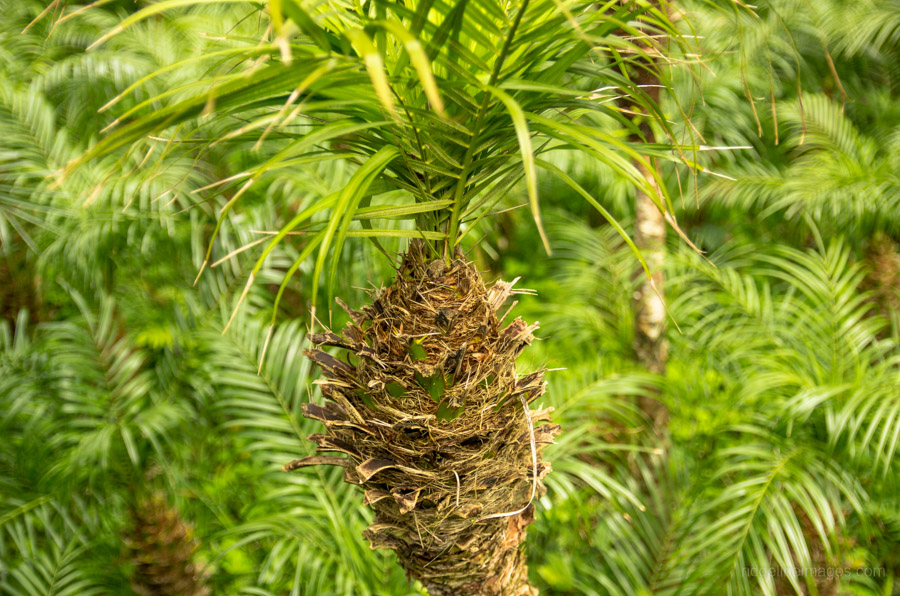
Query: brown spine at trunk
point(426, 403)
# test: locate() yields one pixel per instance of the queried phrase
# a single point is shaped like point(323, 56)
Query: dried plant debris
point(433, 423)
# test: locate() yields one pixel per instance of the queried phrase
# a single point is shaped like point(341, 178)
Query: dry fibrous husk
point(433, 422)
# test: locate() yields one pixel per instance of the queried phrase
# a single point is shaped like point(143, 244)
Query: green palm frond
point(612, 494)
point(753, 522)
point(782, 396)
point(450, 103)
point(31, 143)
point(51, 545)
point(599, 418)
point(53, 539)
point(57, 571)
point(594, 268)
point(104, 389)
point(815, 349)
point(790, 81)
point(835, 174)
point(871, 27)
point(856, 175)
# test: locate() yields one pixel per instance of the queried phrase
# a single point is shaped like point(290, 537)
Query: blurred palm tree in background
point(144, 448)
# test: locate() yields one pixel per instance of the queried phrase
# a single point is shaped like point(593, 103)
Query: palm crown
point(450, 103)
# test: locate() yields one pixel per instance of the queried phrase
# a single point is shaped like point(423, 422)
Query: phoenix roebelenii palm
point(443, 108)
point(437, 425)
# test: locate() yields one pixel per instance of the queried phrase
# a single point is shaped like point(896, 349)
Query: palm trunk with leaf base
point(435, 420)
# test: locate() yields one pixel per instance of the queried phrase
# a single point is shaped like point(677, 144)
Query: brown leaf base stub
point(425, 411)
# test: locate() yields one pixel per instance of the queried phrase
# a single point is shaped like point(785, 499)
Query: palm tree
point(443, 108)
point(780, 387)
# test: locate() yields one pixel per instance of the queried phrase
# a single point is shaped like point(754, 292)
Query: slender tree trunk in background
point(19, 289)
point(437, 427)
point(650, 343)
point(650, 237)
point(649, 309)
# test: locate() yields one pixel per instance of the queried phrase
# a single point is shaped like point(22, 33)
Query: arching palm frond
point(59, 570)
point(815, 351)
point(31, 142)
point(794, 83)
point(869, 27)
point(835, 175)
point(610, 495)
point(104, 390)
point(781, 391)
point(729, 537)
point(788, 335)
point(449, 103)
point(54, 536)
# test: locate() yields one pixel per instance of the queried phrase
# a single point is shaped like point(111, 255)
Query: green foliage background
point(783, 381)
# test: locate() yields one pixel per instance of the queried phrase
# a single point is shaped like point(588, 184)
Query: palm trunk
point(649, 309)
point(650, 312)
point(161, 547)
point(649, 342)
point(882, 279)
point(437, 427)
